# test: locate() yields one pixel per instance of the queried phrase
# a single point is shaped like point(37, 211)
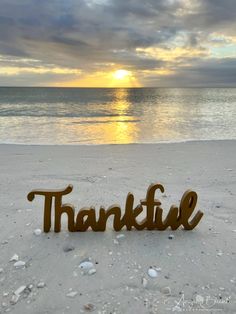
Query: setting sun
point(123, 78)
point(121, 74)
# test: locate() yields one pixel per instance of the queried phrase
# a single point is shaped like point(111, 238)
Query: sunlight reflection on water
point(102, 116)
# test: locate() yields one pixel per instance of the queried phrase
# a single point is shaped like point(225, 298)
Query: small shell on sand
point(41, 284)
point(19, 264)
point(152, 272)
point(37, 232)
point(14, 299)
point(89, 307)
point(71, 294)
point(17, 294)
point(120, 236)
point(14, 258)
point(92, 271)
point(86, 265)
point(19, 290)
point(144, 282)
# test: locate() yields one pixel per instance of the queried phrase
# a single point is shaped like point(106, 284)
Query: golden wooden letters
point(86, 217)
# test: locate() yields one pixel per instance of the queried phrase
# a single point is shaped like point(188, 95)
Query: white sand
point(196, 263)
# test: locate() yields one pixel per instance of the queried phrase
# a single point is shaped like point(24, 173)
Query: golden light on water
point(123, 121)
point(117, 128)
point(116, 116)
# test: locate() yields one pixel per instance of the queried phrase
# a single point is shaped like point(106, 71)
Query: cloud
point(150, 38)
point(207, 73)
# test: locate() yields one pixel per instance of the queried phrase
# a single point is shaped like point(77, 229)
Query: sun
point(121, 74)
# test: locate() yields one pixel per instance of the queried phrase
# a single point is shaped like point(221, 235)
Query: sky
point(118, 43)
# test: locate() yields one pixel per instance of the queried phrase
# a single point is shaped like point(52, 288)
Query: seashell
point(89, 307)
point(14, 299)
point(37, 232)
point(152, 272)
point(72, 294)
point(86, 265)
point(120, 236)
point(14, 258)
point(19, 264)
point(41, 284)
point(144, 282)
point(19, 290)
point(92, 271)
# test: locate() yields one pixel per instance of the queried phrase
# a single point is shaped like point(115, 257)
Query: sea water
point(116, 116)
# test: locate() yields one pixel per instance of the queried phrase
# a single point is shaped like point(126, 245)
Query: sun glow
point(121, 74)
point(110, 79)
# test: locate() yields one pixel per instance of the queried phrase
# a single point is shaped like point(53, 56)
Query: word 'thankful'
point(86, 217)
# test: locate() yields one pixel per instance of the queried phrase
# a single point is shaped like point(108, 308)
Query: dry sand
point(196, 269)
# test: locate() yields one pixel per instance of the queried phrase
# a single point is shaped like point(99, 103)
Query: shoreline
point(122, 144)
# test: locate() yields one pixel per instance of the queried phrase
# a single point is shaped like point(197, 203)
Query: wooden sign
point(86, 217)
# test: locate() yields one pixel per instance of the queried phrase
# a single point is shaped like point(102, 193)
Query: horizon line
point(142, 87)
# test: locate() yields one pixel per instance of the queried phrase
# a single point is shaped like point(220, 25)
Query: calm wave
point(102, 116)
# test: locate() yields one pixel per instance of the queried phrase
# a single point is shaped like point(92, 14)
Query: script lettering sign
point(86, 217)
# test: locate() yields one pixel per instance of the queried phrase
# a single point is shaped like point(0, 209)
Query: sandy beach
point(195, 269)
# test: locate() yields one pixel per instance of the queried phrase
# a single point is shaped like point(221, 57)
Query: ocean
point(116, 116)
